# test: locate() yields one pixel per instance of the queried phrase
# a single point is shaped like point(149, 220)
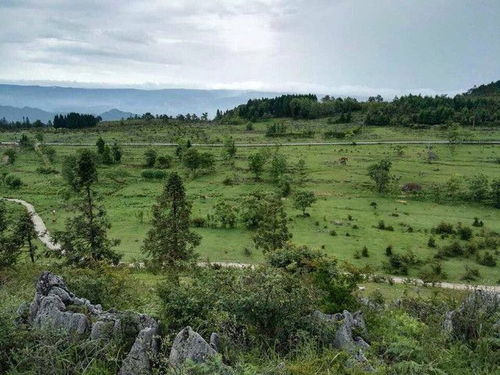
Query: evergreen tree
point(106, 156)
point(272, 233)
point(84, 240)
point(26, 233)
point(100, 145)
point(117, 153)
point(170, 242)
point(229, 149)
point(10, 245)
point(256, 164)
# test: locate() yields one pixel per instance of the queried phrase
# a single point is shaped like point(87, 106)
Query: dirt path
point(45, 238)
point(41, 229)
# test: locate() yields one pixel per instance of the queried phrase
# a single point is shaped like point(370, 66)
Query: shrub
point(381, 225)
point(486, 260)
point(263, 303)
point(477, 222)
point(471, 274)
point(198, 222)
point(400, 264)
point(364, 252)
point(164, 162)
point(47, 170)
point(150, 156)
point(444, 228)
point(452, 250)
point(153, 174)
point(13, 181)
point(11, 155)
point(432, 242)
point(388, 251)
point(465, 233)
point(228, 181)
point(336, 286)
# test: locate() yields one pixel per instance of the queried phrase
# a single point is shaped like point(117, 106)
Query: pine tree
point(170, 242)
point(10, 245)
point(26, 233)
point(100, 145)
point(84, 240)
point(272, 233)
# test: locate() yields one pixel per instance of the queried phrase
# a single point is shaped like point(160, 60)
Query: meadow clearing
point(344, 219)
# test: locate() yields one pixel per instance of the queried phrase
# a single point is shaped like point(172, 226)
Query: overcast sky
point(327, 46)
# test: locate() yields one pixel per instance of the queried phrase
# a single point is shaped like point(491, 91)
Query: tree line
point(479, 106)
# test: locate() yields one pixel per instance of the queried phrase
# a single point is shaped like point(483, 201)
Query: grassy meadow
point(345, 194)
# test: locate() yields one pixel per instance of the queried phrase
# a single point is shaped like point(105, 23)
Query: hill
point(491, 89)
point(166, 101)
point(18, 114)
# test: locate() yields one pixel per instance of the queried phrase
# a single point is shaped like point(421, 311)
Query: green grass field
point(342, 190)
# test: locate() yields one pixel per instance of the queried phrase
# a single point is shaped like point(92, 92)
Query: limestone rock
point(190, 345)
point(345, 335)
point(56, 307)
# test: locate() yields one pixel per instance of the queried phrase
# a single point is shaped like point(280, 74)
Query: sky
point(343, 47)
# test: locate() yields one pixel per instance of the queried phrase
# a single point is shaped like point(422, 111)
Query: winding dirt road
point(46, 239)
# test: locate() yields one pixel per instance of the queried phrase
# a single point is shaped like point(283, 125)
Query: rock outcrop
point(347, 337)
point(189, 345)
point(56, 307)
point(477, 309)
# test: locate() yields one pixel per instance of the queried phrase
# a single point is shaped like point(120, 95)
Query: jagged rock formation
point(189, 345)
point(347, 333)
point(477, 309)
point(55, 307)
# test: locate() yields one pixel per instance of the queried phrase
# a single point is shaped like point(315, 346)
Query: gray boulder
point(189, 345)
point(56, 307)
point(138, 360)
point(348, 326)
point(479, 308)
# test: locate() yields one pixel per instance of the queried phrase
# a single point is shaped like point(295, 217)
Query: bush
point(11, 155)
point(47, 170)
point(336, 287)
point(198, 222)
point(110, 287)
point(465, 233)
point(400, 264)
point(471, 274)
point(486, 260)
point(153, 174)
point(388, 251)
point(150, 156)
point(13, 181)
point(431, 243)
point(452, 250)
point(381, 225)
point(260, 304)
point(444, 228)
point(164, 162)
point(364, 252)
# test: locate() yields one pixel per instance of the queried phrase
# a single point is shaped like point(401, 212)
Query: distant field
point(157, 131)
point(341, 191)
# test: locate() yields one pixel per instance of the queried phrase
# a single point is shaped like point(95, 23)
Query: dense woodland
point(479, 106)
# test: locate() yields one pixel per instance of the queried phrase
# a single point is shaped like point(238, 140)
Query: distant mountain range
point(20, 114)
point(41, 102)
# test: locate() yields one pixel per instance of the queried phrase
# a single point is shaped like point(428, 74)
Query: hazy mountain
point(18, 114)
point(96, 101)
point(115, 114)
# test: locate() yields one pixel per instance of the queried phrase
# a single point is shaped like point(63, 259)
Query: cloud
point(354, 47)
